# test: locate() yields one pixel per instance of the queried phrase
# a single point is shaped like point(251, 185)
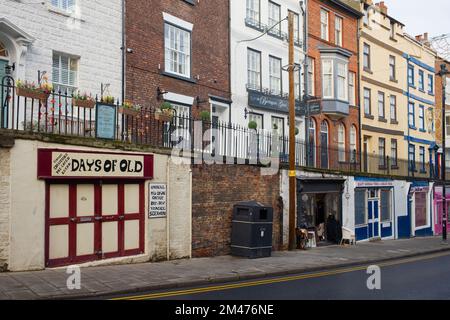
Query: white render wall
point(22, 219)
point(267, 45)
point(93, 33)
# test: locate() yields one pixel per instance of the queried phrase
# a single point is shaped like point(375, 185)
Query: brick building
point(178, 51)
point(334, 132)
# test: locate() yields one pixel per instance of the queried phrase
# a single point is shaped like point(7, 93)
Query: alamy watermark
point(374, 280)
point(74, 280)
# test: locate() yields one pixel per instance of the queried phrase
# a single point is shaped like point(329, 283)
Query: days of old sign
point(158, 200)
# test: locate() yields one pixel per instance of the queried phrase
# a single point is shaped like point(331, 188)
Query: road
point(426, 277)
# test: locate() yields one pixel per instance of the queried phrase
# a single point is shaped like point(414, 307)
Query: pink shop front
point(438, 208)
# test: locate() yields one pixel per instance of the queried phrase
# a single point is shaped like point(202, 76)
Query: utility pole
point(292, 172)
point(443, 74)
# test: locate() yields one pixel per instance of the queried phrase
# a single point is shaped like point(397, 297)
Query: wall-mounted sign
point(373, 184)
point(106, 121)
point(157, 201)
point(59, 164)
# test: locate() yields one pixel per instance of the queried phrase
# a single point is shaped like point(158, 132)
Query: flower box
point(84, 103)
point(128, 112)
point(33, 94)
point(165, 115)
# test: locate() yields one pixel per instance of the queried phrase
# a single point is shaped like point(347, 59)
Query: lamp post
point(443, 74)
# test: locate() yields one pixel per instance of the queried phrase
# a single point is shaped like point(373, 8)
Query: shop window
point(385, 205)
point(360, 207)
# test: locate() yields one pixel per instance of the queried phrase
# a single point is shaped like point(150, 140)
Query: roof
point(352, 6)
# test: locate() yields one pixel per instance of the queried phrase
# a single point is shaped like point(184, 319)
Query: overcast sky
point(421, 16)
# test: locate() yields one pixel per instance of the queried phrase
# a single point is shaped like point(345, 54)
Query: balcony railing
point(58, 115)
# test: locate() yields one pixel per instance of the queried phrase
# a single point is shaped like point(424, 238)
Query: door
point(374, 214)
point(93, 221)
point(324, 145)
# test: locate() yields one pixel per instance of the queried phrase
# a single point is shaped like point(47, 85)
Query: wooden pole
point(292, 172)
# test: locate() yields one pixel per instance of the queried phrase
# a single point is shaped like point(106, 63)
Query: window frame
point(276, 30)
point(394, 153)
point(189, 64)
point(338, 33)
point(421, 117)
point(431, 84)
point(352, 88)
point(311, 76)
point(381, 105)
point(70, 58)
point(249, 85)
point(412, 114)
point(247, 17)
point(392, 68)
point(369, 100)
point(60, 5)
point(393, 108)
point(271, 58)
point(423, 159)
point(382, 152)
point(366, 57)
point(411, 75)
point(341, 143)
point(327, 25)
point(412, 157)
point(331, 75)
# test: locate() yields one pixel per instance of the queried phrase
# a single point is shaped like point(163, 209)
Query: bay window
point(342, 84)
point(327, 76)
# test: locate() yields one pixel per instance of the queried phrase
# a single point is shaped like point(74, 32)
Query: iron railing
point(213, 140)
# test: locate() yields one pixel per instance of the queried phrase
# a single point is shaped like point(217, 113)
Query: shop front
point(420, 208)
point(374, 209)
point(320, 208)
point(438, 208)
point(94, 204)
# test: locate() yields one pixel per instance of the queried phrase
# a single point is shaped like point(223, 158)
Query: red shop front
point(94, 204)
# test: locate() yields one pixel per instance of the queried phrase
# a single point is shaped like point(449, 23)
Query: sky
point(421, 16)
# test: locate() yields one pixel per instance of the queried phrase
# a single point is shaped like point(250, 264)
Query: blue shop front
point(374, 208)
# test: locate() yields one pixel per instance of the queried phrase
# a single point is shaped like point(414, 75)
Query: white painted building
point(259, 85)
point(76, 42)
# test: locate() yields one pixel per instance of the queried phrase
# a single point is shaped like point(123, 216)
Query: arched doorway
point(312, 143)
point(4, 59)
point(324, 145)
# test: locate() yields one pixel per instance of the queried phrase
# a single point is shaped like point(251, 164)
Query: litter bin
point(252, 228)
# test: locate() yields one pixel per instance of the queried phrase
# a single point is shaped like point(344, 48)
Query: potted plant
point(32, 90)
point(275, 127)
point(253, 125)
point(297, 131)
point(108, 100)
point(83, 100)
point(165, 112)
point(205, 116)
point(130, 109)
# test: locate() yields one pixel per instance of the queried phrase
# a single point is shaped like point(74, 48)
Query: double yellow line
point(272, 281)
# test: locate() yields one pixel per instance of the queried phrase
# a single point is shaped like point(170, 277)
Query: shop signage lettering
point(421, 189)
point(374, 184)
point(79, 164)
point(158, 201)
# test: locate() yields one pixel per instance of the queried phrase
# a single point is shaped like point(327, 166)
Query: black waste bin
point(252, 228)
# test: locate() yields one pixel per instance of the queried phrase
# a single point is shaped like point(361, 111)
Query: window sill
point(382, 168)
point(63, 13)
point(412, 128)
point(368, 71)
point(368, 116)
point(393, 80)
point(423, 172)
point(422, 90)
point(191, 2)
point(431, 94)
point(251, 26)
point(393, 39)
point(178, 77)
point(412, 86)
point(394, 122)
point(394, 168)
point(423, 130)
point(382, 119)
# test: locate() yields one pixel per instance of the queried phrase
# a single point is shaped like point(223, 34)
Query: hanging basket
point(84, 103)
point(164, 115)
point(27, 93)
point(128, 112)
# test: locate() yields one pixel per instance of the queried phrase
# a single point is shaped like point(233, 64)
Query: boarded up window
point(360, 207)
point(385, 205)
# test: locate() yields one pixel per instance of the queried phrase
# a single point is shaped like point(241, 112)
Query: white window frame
point(60, 71)
point(275, 77)
point(64, 5)
point(311, 76)
point(352, 88)
point(338, 28)
point(324, 24)
point(341, 142)
point(342, 76)
point(254, 73)
point(183, 58)
point(353, 143)
point(330, 75)
point(253, 10)
point(274, 17)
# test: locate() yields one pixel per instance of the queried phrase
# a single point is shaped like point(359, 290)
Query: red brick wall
point(350, 43)
point(215, 189)
point(210, 50)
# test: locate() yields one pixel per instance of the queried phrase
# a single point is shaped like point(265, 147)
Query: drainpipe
point(168, 201)
point(124, 50)
point(358, 36)
point(408, 60)
point(305, 75)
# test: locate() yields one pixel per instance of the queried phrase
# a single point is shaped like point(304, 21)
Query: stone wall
point(5, 192)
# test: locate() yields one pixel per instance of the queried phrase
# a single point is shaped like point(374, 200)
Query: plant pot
point(23, 92)
point(84, 103)
point(128, 112)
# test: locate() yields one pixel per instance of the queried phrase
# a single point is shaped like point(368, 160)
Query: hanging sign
point(157, 201)
point(59, 164)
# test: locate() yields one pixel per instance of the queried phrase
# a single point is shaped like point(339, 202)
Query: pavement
point(126, 279)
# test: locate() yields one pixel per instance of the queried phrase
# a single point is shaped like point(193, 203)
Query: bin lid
point(252, 204)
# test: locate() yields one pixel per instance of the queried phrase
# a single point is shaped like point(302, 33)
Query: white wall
point(93, 33)
point(27, 210)
point(268, 45)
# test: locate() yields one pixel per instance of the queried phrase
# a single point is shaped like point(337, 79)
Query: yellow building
point(397, 96)
point(382, 86)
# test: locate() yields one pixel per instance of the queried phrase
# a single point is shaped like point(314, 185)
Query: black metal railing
point(58, 114)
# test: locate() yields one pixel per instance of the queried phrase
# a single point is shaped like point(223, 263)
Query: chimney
point(383, 8)
point(424, 39)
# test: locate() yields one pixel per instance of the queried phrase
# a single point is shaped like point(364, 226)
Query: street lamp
point(443, 74)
